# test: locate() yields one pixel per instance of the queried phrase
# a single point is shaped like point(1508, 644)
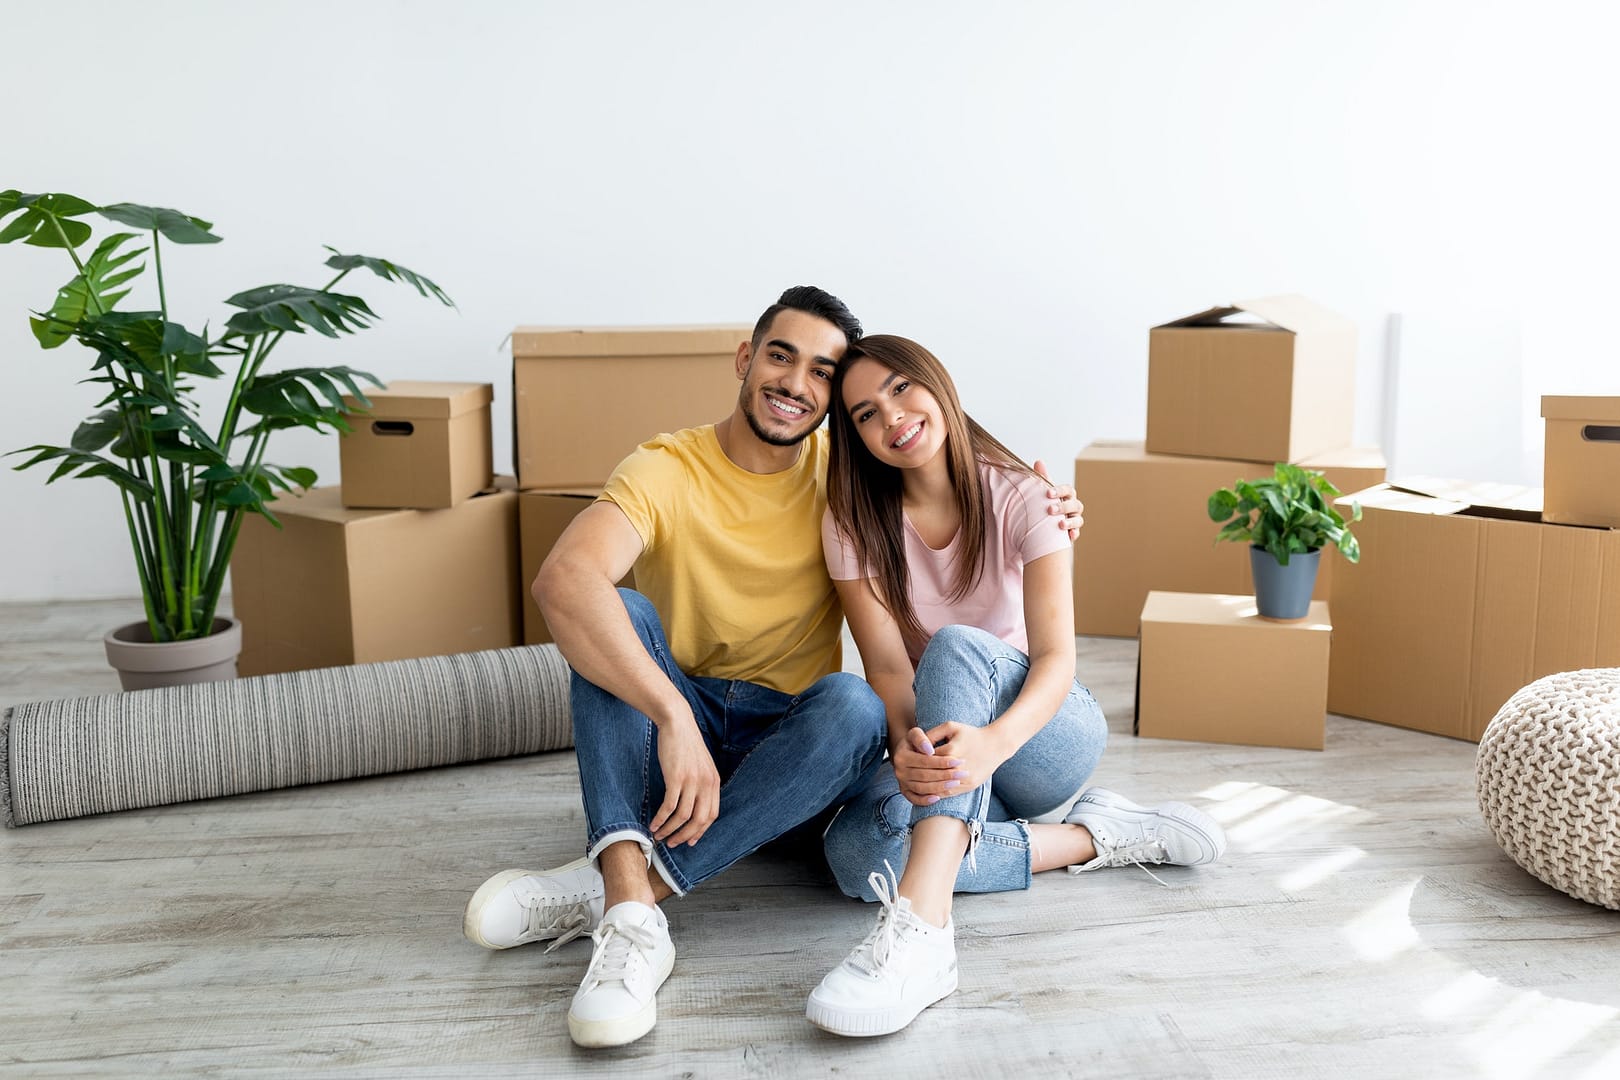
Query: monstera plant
point(184, 479)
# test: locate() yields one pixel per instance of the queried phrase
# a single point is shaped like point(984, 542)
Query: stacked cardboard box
point(415, 554)
point(1231, 391)
point(584, 397)
point(1146, 528)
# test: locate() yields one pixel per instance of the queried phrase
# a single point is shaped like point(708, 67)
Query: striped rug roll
point(63, 759)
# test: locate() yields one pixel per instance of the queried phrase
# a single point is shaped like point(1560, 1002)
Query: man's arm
point(576, 593)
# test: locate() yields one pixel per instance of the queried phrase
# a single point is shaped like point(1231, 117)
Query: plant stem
point(140, 566)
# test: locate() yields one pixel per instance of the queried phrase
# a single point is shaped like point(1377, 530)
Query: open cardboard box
point(1280, 386)
point(1463, 595)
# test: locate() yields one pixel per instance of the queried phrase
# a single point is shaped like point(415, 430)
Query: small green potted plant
point(1286, 518)
point(184, 480)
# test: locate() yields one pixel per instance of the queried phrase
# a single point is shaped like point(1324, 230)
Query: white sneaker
point(1126, 834)
point(617, 1003)
point(516, 907)
point(903, 966)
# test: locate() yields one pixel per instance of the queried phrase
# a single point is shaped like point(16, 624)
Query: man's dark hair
point(811, 301)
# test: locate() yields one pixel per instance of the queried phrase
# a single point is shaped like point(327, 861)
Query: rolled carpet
point(69, 758)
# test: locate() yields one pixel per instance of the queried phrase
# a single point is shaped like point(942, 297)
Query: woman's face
point(899, 421)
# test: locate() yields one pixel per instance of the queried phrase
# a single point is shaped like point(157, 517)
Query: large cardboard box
point(1582, 470)
point(1211, 669)
point(584, 397)
point(542, 517)
point(423, 446)
point(1280, 386)
point(339, 586)
point(1147, 528)
point(1462, 596)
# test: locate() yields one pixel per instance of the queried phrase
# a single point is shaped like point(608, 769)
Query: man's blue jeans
point(782, 758)
point(971, 676)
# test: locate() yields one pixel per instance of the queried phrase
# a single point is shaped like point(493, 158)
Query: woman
point(957, 590)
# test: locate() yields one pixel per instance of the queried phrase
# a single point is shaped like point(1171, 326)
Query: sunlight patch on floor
point(1318, 870)
point(1385, 930)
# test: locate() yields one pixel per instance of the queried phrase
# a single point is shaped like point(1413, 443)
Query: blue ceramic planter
point(1283, 592)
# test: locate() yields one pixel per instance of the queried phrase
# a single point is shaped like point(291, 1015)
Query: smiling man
point(710, 711)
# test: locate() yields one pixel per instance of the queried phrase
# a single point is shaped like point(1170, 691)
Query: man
point(710, 714)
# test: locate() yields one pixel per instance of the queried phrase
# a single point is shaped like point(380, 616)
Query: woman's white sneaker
point(1126, 834)
point(903, 966)
point(617, 1001)
point(516, 907)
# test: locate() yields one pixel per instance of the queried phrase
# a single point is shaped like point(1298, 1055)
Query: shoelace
point(1120, 853)
point(616, 947)
point(542, 914)
point(873, 953)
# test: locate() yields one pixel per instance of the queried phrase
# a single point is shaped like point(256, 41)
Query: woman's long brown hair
point(864, 494)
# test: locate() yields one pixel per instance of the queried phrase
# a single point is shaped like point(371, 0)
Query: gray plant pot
point(1283, 592)
point(143, 663)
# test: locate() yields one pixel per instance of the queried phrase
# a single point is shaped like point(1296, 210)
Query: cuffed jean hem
point(649, 848)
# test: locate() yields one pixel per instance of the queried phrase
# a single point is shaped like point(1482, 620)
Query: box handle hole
point(392, 427)
point(1600, 433)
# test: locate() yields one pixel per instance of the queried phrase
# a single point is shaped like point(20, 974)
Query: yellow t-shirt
point(732, 559)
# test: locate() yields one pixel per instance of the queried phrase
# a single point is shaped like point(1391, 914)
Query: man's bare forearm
point(592, 628)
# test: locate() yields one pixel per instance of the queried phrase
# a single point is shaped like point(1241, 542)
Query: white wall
point(1024, 187)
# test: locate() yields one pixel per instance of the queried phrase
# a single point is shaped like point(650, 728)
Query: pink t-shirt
point(1019, 531)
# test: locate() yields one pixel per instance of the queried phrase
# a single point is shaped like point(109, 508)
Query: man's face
point(787, 381)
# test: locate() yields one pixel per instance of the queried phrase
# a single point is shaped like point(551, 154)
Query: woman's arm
point(922, 776)
point(1049, 621)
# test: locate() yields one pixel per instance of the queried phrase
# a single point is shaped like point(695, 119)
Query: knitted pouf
point(1548, 781)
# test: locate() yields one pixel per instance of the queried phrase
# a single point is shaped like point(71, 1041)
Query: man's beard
point(770, 437)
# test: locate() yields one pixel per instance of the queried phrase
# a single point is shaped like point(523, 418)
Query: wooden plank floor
point(1363, 924)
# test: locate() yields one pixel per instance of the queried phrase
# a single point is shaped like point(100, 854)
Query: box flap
point(542, 341)
point(1296, 313)
point(1290, 312)
point(407, 399)
point(1591, 409)
point(1481, 494)
point(1438, 496)
point(1212, 317)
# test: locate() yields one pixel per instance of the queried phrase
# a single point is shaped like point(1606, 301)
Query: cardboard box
point(1279, 389)
point(1147, 528)
point(1211, 669)
point(1582, 471)
point(542, 517)
point(423, 445)
point(340, 586)
point(1463, 596)
point(583, 398)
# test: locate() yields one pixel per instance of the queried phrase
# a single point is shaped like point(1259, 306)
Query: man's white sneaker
point(903, 966)
point(516, 907)
point(617, 1002)
point(1126, 834)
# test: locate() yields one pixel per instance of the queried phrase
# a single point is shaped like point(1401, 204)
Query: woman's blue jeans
point(782, 758)
point(972, 677)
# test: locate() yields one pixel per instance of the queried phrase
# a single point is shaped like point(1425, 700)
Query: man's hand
point(1063, 502)
point(691, 784)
